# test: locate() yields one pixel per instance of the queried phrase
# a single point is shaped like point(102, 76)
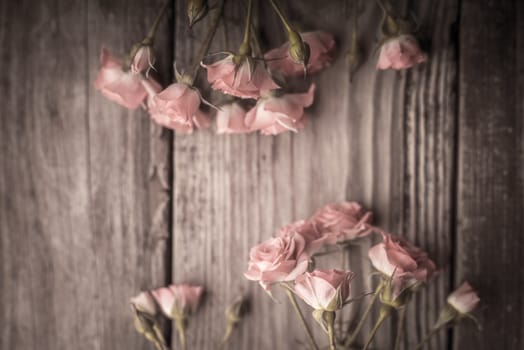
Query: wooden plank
point(76, 203)
point(385, 140)
point(491, 176)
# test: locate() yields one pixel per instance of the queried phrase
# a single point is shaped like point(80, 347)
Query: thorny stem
point(293, 301)
point(280, 14)
point(384, 313)
point(400, 327)
point(365, 315)
point(208, 40)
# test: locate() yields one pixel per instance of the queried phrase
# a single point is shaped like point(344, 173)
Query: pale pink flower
point(279, 259)
point(406, 263)
point(345, 220)
point(231, 119)
point(178, 300)
point(464, 299)
point(315, 239)
point(273, 115)
point(145, 303)
point(324, 289)
point(122, 87)
point(322, 52)
point(143, 59)
point(246, 79)
point(400, 52)
point(176, 107)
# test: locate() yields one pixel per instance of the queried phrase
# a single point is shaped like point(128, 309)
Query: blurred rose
point(322, 50)
point(176, 107)
point(399, 258)
point(345, 220)
point(143, 59)
point(231, 119)
point(324, 289)
point(245, 79)
point(122, 87)
point(400, 52)
point(315, 239)
point(273, 115)
point(279, 259)
point(178, 300)
point(464, 299)
point(145, 303)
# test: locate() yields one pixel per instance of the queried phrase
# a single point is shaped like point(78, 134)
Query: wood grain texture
point(385, 140)
point(491, 176)
point(76, 202)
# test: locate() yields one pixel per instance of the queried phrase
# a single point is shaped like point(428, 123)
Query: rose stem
point(181, 333)
point(209, 38)
point(330, 320)
point(365, 315)
point(433, 331)
point(152, 32)
point(384, 313)
point(245, 48)
point(342, 267)
point(280, 14)
point(293, 301)
point(400, 327)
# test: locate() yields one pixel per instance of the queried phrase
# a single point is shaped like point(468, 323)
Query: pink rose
point(145, 303)
point(279, 259)
point(231, 119)
point(246, 79)
point(178, 300)
point(315, 239)
point(345, 220)
point(407, 263)
point(324, 289)
point(400, 52)
point(464, 299)
point(322, 51)
point(122, 87)
point(176, 107)
point(143, 60)
point(273, 115)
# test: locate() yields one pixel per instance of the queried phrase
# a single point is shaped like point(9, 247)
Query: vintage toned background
point(97, 203)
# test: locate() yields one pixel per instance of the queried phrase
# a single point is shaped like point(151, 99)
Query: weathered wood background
point(97, 203)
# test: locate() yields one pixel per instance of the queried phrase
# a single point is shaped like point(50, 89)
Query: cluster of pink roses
point(287, 260)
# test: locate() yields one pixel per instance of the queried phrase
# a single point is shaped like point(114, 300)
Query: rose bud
point(315, 239)
point(403, 263)
point(280, 259)
point(196, 10)
point(273, 115)
point(143, 60)
point(322, 50)
point(176, 107)
point(299, 51)
point(231, 119)
point(400, 52)
point(178, 301)
point(345, 220)
point(145, 303)
point(464, 299)
point(324, 289)
point(239, 76)
point(122, 87)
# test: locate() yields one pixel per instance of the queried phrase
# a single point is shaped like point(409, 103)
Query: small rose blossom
point(279, 259)
point(464, 299)
point(324, 289)
point(400, 52)
point(322, 48)
point(273, 115)
point(345, 220)
point(176, 107)
point(404, 261)
point(145, 303)
point(315, 239)
point(231, 119)
point(246, 79)
point(178, 300)
point(143, 60)
point(122, 87)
